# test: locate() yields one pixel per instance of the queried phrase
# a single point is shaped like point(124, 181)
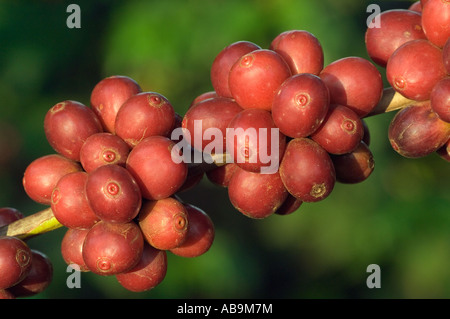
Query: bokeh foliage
point(399, 218)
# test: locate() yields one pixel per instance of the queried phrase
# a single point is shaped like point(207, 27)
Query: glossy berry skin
point(42, 175)
point(440, 99)
point(415, 68)
point(72, 247)
point(416, 131)
point(67, 125)
point(223, 62)
point(148, 273)
point(300, 105)
point(9, 215)
point(256, 195)
point(256, 144)
point(70, 204)
point(15, 261)
point(200, 234)
point(307, 170)
point(164, 223)
point(301, 50)
point(354, 82)
point(435, 21)
point(143, 115)
point(290, 205)
point(108, 96)
point(398, 26)
point(151, 164)
point(354, 167)
point(341, 131)
point(214, 113)
point(254, 79)
point(112, 248)
point(113, 194)
point(221, 175)
point(103, 149)
point(38, 279)
point(446, 56)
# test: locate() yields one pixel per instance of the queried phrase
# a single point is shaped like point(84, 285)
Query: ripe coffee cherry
point(214, 113)
point(300, 105)
point(72, 247)
point(397, 26)
point(42, 175)
point(103, 149)
point(15, 261)
point(301, 50)
point(417, 131)
point(113, 194)
point(69, 202)
point(221, 175)
point(255, 78)
point(223, 62)
point(9, 215)
point(354, 167)
point(108, 96)
point(256, 195)
point(290, 205)
point(307, 170)
point(354, 82)
point(416, 6)
point(67, 125)
point(151, 164)
point(164, 223)
point(112, 248)
point(38, 279)
point(415, 68)
point(200, 234)
point(436, 21)
point(341, 131)
point(256, 144)
point(143, 115)
point(148, 273)
point(440, 99)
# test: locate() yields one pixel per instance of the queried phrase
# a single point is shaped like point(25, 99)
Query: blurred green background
point(399, 218)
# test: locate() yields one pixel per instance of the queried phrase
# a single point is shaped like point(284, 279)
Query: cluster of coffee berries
point(112, 182)
point(24, 271)
point(414, 47)
point(290, 127)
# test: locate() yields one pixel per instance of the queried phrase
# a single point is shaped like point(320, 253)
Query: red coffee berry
point(113, 194)
point(221, 66)
point(142, 115)
point(200, 234)
point(341, 131)
point(436, 21)
point(255, 78)
point(15, 261)
point(397, 26)
point(42, 175)
point(164, 223)
point(72, 247)
point(112, 248)
point(440, 99)
point(417, 131)
point(108, 96)
point(67, 125)
point(307, 170)
point(415, 68)
point(103, 149)
point(149, 272)
point(151, 164)
point(9, 215)
point(300, 105)
point(301, 50)
point(69, 202)
point(256, 195)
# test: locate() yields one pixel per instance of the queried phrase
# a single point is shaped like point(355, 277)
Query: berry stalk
point(45, 221)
